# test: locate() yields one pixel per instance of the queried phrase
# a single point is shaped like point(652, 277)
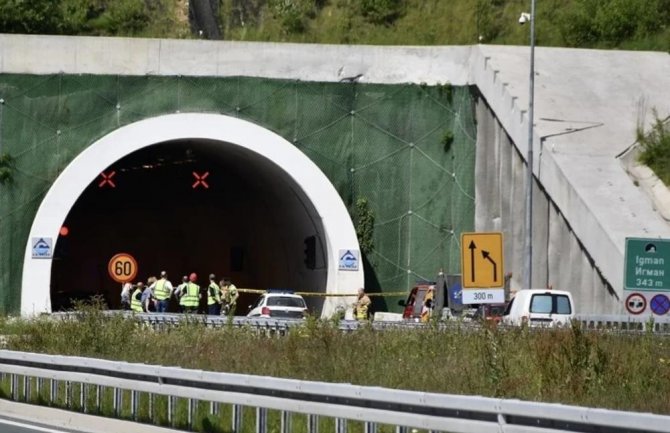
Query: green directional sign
point(647, 265)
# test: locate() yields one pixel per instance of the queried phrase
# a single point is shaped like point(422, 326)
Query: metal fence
point(618, 323)
point(660, 324)
point(347, 408)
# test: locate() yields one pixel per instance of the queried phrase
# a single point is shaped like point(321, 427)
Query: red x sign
point(107, 179)
point(200, 180)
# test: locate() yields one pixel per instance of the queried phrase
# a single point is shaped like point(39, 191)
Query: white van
point(540, 307)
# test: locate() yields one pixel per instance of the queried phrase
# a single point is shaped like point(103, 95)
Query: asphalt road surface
point(7, 425)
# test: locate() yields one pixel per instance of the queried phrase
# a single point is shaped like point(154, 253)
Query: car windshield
point(285, 301)
point(540, 304)
point(563, 305)
point(550, 304)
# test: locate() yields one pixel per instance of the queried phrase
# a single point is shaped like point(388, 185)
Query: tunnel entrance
point(190, 206)
point(186, 193)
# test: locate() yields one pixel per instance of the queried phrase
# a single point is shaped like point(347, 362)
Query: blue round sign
point(660, 304)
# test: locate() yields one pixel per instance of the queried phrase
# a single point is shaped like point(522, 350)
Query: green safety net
point(408, 151)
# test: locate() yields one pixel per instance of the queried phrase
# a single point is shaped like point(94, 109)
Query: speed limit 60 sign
point(122, 268)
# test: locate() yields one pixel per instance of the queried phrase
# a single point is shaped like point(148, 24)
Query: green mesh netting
point(408, 150)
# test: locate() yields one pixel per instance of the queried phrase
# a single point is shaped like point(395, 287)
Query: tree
point(30, 16)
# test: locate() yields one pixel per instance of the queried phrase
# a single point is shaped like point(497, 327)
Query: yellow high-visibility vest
point(136, 304)
point(190, 298)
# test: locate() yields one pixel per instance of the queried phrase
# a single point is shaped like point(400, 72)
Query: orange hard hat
point(193, 277)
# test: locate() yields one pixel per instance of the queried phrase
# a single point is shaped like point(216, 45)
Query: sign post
point(647, 273)
point(482, 269)
point(122, 268)
point(647, 264)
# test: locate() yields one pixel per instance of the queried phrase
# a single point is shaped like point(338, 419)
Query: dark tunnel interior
point(190, 206)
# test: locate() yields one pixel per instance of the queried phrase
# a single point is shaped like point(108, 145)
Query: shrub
point(656, 148)
point(120, 17)
point(5, 168)
point(382, 11)
point(36, 16)
point(293, 14)
point(611, 22)
point(365, 225)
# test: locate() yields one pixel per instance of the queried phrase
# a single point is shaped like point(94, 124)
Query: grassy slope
point(606, 370)
point(433, 22)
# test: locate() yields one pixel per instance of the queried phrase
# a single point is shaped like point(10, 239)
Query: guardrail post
point(401, 429)
point(39, 385)
point(151, 408)
point(261, 420)
point(285, 422)
point(237, 419)
point(213, 408)
point(312, 423)
point(26, 389)
point(191, 412)
point(68, 394)
point(134, 397)
point(98, 391)
point(340, 425)
point(170, 410)
point(83, 397)
point(370, 427)
point(117, 402)
point(53, 389)
point(12, 386)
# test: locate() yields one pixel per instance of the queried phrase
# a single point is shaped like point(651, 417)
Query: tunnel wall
point(408, 150)
point(560, 261)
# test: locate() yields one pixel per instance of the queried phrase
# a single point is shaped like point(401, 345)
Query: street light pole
point(528, 244)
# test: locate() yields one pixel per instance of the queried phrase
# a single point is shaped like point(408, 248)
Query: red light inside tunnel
point(106, 179)
point(64, 231)
point(200, 180)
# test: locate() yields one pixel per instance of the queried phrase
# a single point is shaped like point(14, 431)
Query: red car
point(490, 312)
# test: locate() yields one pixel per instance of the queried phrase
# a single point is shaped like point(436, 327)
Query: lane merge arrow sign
point(487, 256)
point(472, 247)
point(482, 260)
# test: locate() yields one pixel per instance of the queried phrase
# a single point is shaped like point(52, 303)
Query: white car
point(279, 304)
point(540, 307)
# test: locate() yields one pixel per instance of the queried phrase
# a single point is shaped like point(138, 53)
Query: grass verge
point(609, 370)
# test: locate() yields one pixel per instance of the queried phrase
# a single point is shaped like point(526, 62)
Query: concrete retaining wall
point(588, 105)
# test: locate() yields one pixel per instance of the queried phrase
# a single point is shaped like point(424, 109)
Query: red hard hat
point(193, 277)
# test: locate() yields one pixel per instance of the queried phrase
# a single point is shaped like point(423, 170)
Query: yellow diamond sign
point(482, 260)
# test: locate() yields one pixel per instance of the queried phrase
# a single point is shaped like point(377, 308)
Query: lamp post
point(528, 241)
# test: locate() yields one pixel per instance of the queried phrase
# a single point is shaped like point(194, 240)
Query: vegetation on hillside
point(629, 24)
point(655, 145)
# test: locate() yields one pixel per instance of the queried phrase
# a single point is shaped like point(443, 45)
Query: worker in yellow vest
point(181, 291)
point(190, 299)
point(229, 296)
point(162, 290)
point(213, 296)
point(362, 305)
point(136, 298)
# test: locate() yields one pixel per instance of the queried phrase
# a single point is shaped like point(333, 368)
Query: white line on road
point(31, 427)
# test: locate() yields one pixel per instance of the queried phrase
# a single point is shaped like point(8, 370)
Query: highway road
point(18, 417)
point(8, 425)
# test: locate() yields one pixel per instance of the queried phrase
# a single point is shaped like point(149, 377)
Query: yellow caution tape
point(330, 295)
point(251, 290)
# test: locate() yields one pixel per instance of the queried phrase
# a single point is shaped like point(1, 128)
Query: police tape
point(330, 295)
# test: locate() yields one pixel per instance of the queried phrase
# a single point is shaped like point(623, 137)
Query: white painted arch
point(339, 232)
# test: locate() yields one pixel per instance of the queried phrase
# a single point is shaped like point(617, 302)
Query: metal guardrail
point(340, 403)
point(160, 321)
point(660, 324)
point(619, 323)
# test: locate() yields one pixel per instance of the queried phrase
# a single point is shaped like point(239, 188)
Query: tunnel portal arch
point(338, 231)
